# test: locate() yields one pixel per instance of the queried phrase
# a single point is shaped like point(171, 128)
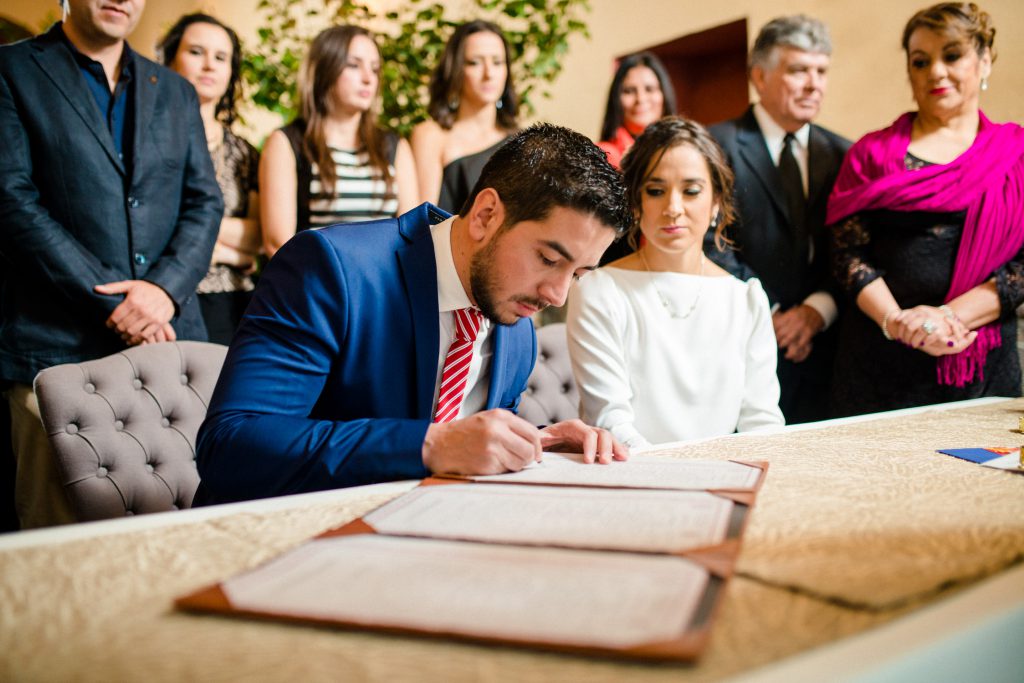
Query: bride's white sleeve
point(597, 316)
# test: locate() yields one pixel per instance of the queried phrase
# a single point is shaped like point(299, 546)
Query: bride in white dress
point(665, 345)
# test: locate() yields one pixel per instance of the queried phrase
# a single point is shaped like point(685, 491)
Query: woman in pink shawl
point(927, 221)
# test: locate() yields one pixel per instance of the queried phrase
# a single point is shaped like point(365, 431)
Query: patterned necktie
point(793, 186)
point(456, 364)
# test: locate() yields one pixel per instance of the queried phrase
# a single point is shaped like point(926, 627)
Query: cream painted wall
point(868, 85)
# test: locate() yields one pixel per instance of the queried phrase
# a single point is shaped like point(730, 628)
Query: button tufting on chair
point(96, 413)
point(551, 394)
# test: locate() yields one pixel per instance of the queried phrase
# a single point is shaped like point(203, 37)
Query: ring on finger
point(928, 326)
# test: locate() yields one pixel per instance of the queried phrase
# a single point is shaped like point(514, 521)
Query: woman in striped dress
point(333, 164)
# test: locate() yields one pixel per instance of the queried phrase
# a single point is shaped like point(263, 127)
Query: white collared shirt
point(774, 137)
point(451, 296)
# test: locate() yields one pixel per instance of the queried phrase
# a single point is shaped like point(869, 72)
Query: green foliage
point(412, 38)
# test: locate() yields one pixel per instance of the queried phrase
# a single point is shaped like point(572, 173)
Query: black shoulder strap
point(391, 146)
point(294, 131)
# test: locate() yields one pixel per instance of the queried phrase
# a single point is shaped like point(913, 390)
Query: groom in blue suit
point(333, 377)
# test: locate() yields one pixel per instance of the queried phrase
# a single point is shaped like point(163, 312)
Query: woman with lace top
point(207, 53)
point(665, 345)
point(473, 109)
point(927, 231)
point(334, 164)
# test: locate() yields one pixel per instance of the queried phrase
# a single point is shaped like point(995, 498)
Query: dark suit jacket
point(330, 378)
point(763, 235)
point(72, 217)
point(765, 246)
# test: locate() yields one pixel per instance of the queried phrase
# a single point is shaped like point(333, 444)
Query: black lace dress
point(915, 253)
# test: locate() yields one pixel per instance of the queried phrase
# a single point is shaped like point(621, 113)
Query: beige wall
point(868, 86)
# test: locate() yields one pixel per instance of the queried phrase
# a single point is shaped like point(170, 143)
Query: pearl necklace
point(665, 301)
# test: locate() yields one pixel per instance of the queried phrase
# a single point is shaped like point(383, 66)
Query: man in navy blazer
point(109, 209)
point(780, 237)
point(333, 377)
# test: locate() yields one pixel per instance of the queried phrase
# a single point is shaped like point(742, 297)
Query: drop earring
point(984, 83)
point(499, 104)
point(453, 103)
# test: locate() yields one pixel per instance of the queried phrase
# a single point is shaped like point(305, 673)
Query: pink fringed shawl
point(987, 181)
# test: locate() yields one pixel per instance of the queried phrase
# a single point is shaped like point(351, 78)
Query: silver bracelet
point(885, 323)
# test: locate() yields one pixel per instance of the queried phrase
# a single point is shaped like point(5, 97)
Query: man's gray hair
point(799, 31)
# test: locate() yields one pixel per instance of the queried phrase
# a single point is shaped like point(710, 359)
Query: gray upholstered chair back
point(551, 394)
point(124, 427)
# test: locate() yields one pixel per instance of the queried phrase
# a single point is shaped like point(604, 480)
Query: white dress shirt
point(451, 296)
point(774, 137)
point(649, 377)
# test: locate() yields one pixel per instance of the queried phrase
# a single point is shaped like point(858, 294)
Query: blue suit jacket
point(73, 216)
point(330, 378)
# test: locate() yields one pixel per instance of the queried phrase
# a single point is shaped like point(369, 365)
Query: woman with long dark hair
point(473, 108)
point(207, 53)
point(640, 94)
point(334, 164)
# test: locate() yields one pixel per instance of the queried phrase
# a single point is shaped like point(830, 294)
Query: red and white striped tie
point(456, 364)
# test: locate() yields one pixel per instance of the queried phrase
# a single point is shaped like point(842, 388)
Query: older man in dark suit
point(785, 167)
point(109, 210)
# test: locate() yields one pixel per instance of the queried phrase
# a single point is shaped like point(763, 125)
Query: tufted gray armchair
point(551, 394)
point(124, 427)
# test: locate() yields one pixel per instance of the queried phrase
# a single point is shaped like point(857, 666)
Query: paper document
point(527, 594)
point(640, 471)
point(626, 519)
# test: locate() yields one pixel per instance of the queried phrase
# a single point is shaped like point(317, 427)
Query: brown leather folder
point(717, 560)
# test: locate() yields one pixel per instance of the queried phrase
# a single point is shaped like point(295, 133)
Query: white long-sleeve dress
point(664, 357)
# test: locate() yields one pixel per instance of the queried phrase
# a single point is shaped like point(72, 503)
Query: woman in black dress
point(928, 221)
point(473, 107)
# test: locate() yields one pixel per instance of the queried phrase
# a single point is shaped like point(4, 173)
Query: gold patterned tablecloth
point(869, 515)
point(856, 525)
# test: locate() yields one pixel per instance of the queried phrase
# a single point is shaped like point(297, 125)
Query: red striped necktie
point(456, 364)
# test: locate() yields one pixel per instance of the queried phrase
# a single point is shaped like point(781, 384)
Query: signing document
point(634, 520)
point(628, 558)
point(642, 472)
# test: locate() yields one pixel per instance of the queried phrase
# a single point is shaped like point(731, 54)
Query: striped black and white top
point(360, 192)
